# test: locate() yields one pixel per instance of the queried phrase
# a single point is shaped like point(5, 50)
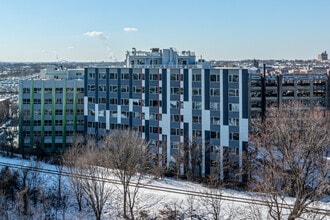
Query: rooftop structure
point(157, 57)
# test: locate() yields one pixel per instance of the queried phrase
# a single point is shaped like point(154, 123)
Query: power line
point(219, 196)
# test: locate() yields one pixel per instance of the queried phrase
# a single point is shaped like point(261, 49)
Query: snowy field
point(183, 198)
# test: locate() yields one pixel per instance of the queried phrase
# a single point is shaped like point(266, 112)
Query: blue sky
point(103, 30)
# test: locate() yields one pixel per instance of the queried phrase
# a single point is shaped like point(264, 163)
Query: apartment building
point(171, 107)
point(51, 112)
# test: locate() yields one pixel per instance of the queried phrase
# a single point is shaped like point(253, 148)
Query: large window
point(214, 92)
point(197, 119)
point(233, 107)
point(178, 118)
point(176, 90)
point(233, 78)
point(214, 77)
point(233, 121)
point(196, 77)
point(197, 105)
point(233, 136)
point(233, 92)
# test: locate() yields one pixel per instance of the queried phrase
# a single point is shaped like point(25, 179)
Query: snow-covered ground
point(154, 201)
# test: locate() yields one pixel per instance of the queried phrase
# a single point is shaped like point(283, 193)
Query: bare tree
point(211, 199)
point(90, 174)
point(288, 158)
point(128, 156)
point(70, 158)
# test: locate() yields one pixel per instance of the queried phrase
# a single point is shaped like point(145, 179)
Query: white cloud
point(97, 34)
point(130, 29)
point(70, 47)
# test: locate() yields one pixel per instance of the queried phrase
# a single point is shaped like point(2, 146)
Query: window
point(69, 90)
point(215, 134)
point(176, 131)
point(215, 149)
point(155, 130)
point(233, 136)
point(176, 104)
point(113, 101)
point(37, 122)
point(197, 119)
point(102, 75)
point(174, 145)
point(113, 76)
point(59, 90)
point(153, 77)
point(125, 76)
point(26, 101)
point(137, 89)
point(91, 88)
point(102, 88)
point(176, 90)
point(91, 100)
point(178, 118)
point(69, 111)
point(124, 114)
point(124, 88)
point(155, 116)
point(137, 115)
point(102, 125)
point(154, 89)
point(197, 105)
point(233, 78)
point(69, 101)
point(215, 106)
point(196, 133)
point(196, 77)
point(37, 101)
point(174, 77)
point(196, 91)
point(113, 114)
point(137, 102)
point(113, 88)
point(58, 112)
point(124, 101)
point(91, 112)
point(91, 75)
point(233, 92)
point(48, 101)
point(80, 90)
point(214, 92)
point(26, 112)
point(233, 121)
point(58, 122)
point(154, 103)
point(233, 107)
point(102, 100)
point(26, 90)
point(48, 122)
point(48, 90)
point(214, 77)
point(215, 120)
point(37, 90)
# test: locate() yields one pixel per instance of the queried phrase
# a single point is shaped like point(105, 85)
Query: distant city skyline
point(103, 30)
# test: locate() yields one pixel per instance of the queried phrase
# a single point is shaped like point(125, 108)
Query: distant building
point(322, 56)
point(51, 112)
point(311, 89)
